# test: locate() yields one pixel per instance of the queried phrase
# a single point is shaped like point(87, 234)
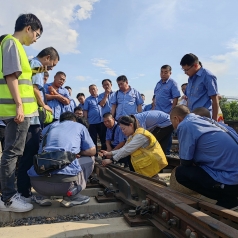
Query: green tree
point(229, 109)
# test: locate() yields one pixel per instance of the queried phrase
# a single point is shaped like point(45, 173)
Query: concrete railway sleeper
point(173, 213)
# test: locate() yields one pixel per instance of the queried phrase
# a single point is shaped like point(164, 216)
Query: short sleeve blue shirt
point(126, 102)
point(164, 95)
point(151, 119)
point(94, 110)
point(66, 136)
point(107, 107)
point(118, 136)
point(147, 108)
point(71, 106)
point(209, 147)
point(57, 107)
point(200, 88)
point(37, 79)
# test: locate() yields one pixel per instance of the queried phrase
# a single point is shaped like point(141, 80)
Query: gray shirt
point(11, 60)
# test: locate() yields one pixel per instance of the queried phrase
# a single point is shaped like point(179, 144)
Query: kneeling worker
point(66, 136)
point(208, 154)
point(159, 124)
point(147, 157)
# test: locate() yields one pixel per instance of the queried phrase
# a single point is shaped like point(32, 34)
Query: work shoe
point(28, 200)
point(77, 199)
point(43, 200)
point(15, 204)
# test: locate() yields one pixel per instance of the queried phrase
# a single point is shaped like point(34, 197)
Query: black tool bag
point(47, 162)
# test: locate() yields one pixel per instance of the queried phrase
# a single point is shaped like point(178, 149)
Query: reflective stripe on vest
point(149, 160)
point(20, 82)
point(25, 87)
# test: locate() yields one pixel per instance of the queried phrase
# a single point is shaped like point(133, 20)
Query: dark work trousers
point(2, 136)
point(26, 160)
point(15, 137)
point(100, 130)
point(163, 135)
point(196, 179)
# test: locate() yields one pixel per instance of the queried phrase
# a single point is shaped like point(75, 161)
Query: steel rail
point(178, 215)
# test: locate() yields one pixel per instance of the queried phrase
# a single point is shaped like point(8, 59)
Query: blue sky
point(107, 38)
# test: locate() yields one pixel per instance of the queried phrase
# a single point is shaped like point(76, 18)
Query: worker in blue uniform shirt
point(150, 106)
point(201, 90)
point(158, 123)
point(126, 100)
point(104, 99)
point(166, 91)
point(72, 105)
point(65, 135)
point(47, 57)
point(92, 111)
point(57, 96)
point(115, 138)
point(208, 155)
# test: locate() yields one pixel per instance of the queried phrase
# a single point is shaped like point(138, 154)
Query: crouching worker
point(208, 156)
point(70, 140)
point(147, 157)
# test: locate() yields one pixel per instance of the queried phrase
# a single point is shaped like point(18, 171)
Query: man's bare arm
point(108, 145)
point(139, 108)
point(113, 110)
point(85, 114)
point(39, 99)
point(175, 102)
point(215, 106)
point(119, 145)
point(58, 97)
point(88, 152)
point(104, 100)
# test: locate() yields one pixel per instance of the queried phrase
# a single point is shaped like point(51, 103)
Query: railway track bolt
point(132, 213)
point(188, 232)
point(165, 215)
point(100, 193)
point(94, 179)
point(144, 203)
point(172, 222)
point(193, 235)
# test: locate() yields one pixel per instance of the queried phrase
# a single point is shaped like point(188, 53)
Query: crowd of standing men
point(24, 88)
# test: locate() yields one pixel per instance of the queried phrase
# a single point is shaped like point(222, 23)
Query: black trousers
point(100, 130)
point(196, 179)
point(2, 136)
point(163, 136)
point(26, 160)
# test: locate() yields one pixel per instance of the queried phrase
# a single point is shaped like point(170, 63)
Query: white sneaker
point(28, 200)
point(15, 204)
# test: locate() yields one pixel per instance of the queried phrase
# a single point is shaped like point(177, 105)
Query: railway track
point(125, 204)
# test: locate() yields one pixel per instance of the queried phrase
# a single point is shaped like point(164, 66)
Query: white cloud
point(100, 62)
point(141, 75)
point(109, 72)
point(81, 78)
point(56, 18)
point(103, 63)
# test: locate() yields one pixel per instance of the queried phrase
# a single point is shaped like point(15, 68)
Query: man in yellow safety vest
point(17, 104)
